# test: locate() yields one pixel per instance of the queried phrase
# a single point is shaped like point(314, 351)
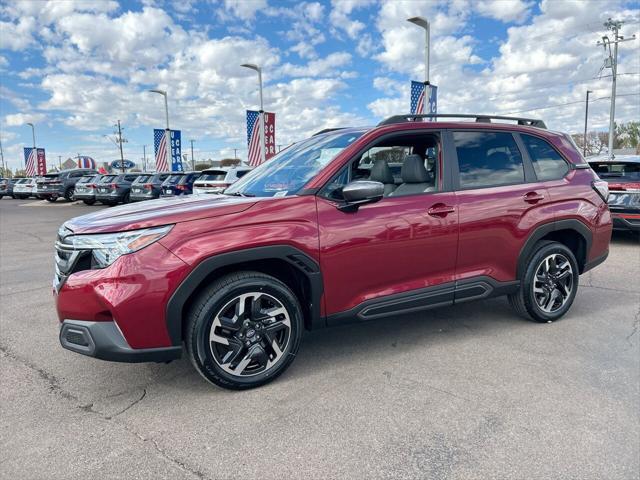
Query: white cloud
point(245, 9)
point(19, 119)
point(504, 10)
point(19, 35)
point(328, 65)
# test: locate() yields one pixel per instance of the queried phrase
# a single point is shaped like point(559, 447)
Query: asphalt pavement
point(465, 392)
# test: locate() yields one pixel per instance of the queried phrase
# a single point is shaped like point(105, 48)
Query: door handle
point(441, 210)
point(533, 197)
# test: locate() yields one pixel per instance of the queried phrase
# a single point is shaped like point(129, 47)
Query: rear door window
point(547, 163)
point(213, 176)
point(487, 159)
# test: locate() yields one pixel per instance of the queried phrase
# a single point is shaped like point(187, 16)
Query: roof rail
point(326, 130)
point(412, 117)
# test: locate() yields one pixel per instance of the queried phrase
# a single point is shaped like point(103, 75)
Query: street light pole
point(144, 158)
point(120, 145)
point(193, 162)
point(263, 153)
point(424, 23)
point(167, 131)
point(586, 116)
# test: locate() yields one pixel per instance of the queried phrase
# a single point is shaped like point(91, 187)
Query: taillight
point(602, 188)
point(148, 186)
point(114, 186)
point(181, 187)
point(91, 185)
point(627, 186)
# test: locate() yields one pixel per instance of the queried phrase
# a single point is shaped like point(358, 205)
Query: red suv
point(352, 224)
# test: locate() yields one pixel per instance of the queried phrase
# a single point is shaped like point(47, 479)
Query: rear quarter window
point(547, 163)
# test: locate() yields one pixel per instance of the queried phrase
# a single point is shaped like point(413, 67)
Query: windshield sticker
point(281, 193)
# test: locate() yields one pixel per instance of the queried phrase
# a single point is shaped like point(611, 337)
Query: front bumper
point(105, 341)
point(625, 221)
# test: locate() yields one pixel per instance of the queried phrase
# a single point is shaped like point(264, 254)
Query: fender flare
point(542, 230)
point(299, 260)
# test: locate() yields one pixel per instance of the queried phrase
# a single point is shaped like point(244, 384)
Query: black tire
point(89, 202)
point(211, 304)
point(69, 194)
point(51, 199)
point(525, 302)
point(126, 198)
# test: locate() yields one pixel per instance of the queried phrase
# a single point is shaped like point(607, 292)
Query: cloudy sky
point(75, 67)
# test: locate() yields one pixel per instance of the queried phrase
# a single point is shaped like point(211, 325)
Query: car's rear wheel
point(70, 194)
point(549, 284)
point(51, 199)
point(244, 330)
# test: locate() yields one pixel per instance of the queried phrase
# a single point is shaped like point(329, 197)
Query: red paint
point(395, 245)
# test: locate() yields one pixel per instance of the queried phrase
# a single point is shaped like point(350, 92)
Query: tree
point(628, 134)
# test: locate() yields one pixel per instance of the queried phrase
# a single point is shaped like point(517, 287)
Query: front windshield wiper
point(240, 194)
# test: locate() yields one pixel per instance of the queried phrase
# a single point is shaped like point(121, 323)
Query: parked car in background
point(86, 188)
point(4, 182)
point(25, 188)
point(12, 182)
point(215, 180)
point(115, 188)
point(179, 183)
point(62, 184)
point(623, 176)
point(311, 239)
point(147, 186)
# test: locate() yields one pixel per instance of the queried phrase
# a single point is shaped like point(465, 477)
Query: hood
point(153, 213)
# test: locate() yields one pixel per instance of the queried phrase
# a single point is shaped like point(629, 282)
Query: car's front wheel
point(549, 284)
point(70, 194)
point(244, 330)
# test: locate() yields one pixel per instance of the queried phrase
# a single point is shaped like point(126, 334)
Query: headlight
point(106, 248)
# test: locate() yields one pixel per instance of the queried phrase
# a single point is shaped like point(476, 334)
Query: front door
point(391, 256)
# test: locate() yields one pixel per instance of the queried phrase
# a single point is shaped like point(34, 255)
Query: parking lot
point(470, 391)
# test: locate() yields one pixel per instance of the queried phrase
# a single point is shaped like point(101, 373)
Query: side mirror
point(360, 192)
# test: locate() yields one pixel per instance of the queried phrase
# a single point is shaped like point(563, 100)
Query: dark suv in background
point(62, 184)
point(86, 189)
point(179, 183)
point(622, 173)
point(147, 186)
point(324, 234)
point(115, 188)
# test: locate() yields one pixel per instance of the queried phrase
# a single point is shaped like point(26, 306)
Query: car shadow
point(625, 237)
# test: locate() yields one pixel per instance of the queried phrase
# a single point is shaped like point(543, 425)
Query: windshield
point(213, 176)
point(287, 172)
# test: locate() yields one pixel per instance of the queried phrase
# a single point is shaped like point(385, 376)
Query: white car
point(25, 188)
point(216, 180)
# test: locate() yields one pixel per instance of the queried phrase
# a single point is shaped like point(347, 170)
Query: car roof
point(616, 159)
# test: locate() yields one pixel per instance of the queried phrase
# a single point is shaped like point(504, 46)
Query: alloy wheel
point(249, 334)
point(553, 283)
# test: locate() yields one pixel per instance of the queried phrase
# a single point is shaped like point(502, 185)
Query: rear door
point(499, 201)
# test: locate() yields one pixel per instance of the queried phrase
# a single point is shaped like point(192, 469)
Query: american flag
point(417, 97)
point(253, 138)
point(30, 159)
point(160, 147)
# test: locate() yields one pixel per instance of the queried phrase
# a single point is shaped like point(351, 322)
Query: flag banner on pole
point(86, 162)
point(253, 136)
point(35, 161)
point(418, 104)
point(160, 145)
point(176, 151)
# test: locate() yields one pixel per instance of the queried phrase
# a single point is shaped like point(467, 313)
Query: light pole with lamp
point(586, 116)
point(424, 23)
point(261, 113)
point(167, 131)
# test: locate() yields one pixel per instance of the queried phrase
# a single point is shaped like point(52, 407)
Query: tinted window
point(241, 173)
point(142, 178)
point(174, 178)
point(160, 177)
point(213, 176)
point(626, 170)
point(130, 178)
point(107, 178)
point(547, 163)
point(487, 159)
